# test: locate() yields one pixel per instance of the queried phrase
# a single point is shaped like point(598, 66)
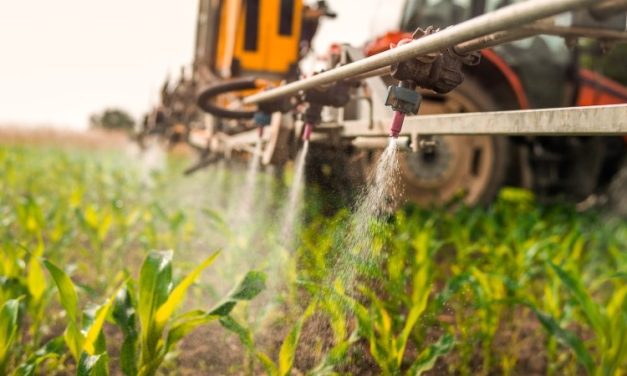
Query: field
point(114, 263)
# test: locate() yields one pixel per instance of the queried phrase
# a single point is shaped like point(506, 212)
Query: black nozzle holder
point(262, 118)
point(403, 98)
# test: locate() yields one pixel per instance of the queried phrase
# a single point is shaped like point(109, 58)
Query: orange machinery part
point(596, 90)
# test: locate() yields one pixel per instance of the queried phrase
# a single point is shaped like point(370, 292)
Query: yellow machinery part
point(261, 36)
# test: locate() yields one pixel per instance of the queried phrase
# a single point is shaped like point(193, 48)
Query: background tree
point(112, 119)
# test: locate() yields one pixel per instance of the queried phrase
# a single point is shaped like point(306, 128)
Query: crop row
point(516, 288)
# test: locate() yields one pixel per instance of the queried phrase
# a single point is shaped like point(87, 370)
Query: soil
point(209, 350)
point(91, 139)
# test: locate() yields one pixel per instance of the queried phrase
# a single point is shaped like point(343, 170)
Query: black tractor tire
point(470, 169)
point(617, 192)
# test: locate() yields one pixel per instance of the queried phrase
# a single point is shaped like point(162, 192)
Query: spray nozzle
point(307, 131)
point(262, 119)
point(404, 99)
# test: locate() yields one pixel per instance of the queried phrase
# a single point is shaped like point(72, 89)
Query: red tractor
point(540, 72)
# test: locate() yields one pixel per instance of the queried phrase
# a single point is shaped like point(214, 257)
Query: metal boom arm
point(502, 19)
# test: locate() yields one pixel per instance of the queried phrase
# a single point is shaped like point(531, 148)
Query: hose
point(205, 98)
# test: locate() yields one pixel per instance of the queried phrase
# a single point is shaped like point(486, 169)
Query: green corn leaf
point(125, 316)
point(336, 355)
point(426, 360)
point(53, 349)
point(588, 306)
point(186, 323)
point(337, 320)
point(69, 300)
point(253, 283)
point(620, 275)
point(67, 292)
point(124, 313)
point(287, 352)
point(74, 339)
point(268, 364)
point(565, 337)
point(618, 303)
point(92, 365)
point(615, 353)
point(420, 297)
point(245, 336)
point(95, 329)
point(35, 279)
point(8, 330)
point(128, 356)
point(155, 283)
point(166, 310)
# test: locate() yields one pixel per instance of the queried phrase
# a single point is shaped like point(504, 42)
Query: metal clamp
point(439, 71)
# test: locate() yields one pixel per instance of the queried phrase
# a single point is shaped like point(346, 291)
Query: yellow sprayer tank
point(241, 37)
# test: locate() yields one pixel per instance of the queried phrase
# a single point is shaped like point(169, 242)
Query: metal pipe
point(585, 32)
point(592, 121)
point(385, 71)
point(537, 28)
point(492, 40)
point(505, 18)
point(608, 8)
point(506, 36)
point(378, 143)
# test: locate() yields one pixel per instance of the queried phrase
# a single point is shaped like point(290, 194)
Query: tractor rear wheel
point(470, 168)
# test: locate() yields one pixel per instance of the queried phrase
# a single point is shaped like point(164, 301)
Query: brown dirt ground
point(99, 139)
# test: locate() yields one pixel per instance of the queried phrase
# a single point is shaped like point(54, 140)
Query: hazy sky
point(62, 60)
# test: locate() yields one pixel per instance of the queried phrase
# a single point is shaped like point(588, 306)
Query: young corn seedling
point(8, 331)
point(83, 335)
point(387, 344)
point(287, 352)
point(147, 315)
point(607, 321)
point(22, 276)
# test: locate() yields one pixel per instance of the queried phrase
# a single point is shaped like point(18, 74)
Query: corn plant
point(608, 323)
point(433, 285)
point(83, 334)
point(8, 331)
point(149, 322)
point(53, 350)
point(22, 276)
point(146, 313)
point(284, 363)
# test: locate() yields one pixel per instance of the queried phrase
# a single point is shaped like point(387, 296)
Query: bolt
point(427, 143)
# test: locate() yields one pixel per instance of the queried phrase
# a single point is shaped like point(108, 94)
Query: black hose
point(206, 104)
